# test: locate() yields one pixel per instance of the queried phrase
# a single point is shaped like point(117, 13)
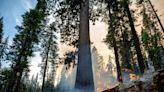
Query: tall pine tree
point(49, 53)
point(24, 42)
point(135, 37)
point(3, 44)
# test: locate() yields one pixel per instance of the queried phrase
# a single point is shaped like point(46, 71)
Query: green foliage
point(70, 57)
point(150, 34)
point(123, 21)
point(113, 8)
point(114, 23)
point(3, 44)
point(4, 78)
point(49, 55)
point(145, 39)
point(151, 45)
point(24, 42)
point(125, 51)
point(68, 17)
point(49, 42)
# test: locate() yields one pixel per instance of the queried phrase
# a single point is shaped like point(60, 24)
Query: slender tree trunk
point(119, 76)
point(84, 75)
point(156, 15)
point(46, 62)
point(44, 74)
point(135, 39)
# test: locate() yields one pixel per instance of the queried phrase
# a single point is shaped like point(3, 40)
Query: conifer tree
point(74, 15)
point(135, 36)
point(3, 44)
point(151, 36)
point(24, 43)
point(49, 53)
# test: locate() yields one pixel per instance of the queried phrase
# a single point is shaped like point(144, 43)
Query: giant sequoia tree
point(74, 28)
point(84, 75)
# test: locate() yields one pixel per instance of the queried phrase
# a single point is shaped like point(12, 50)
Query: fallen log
point(112, 89)
point(154, 84)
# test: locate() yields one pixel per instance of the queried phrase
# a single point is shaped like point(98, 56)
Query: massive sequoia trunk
point(84, 75)
point(135, 38)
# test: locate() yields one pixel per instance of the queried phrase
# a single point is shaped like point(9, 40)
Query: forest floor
point(149, 82)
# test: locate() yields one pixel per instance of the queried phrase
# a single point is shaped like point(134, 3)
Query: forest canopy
point(81, 45)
